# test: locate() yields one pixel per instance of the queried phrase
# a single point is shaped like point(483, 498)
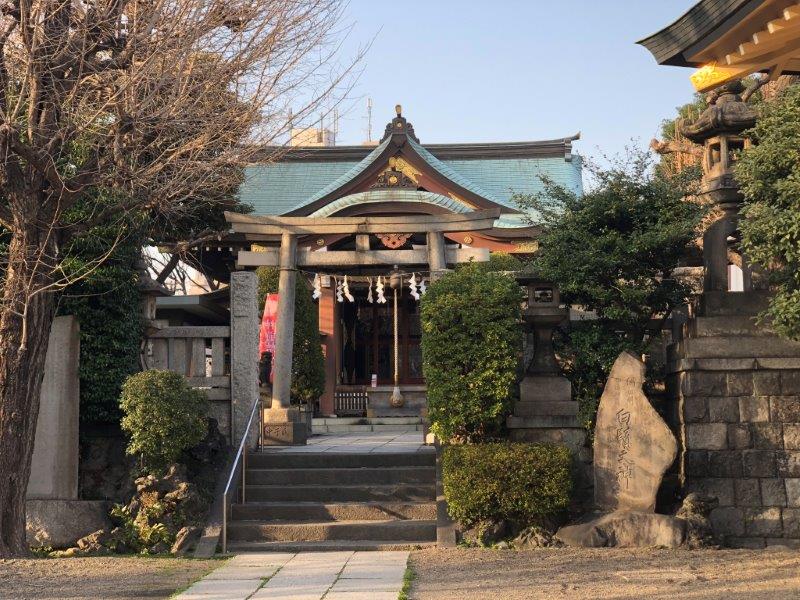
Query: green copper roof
point(391, 195)
point(277, 188)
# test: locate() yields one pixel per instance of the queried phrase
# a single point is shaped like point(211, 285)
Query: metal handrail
point(241, 453)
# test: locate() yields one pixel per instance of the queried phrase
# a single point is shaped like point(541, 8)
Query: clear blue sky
point(514, 70)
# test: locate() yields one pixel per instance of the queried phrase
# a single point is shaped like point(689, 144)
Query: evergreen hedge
point(471, 341)
point(163, 417)
point(517, 482)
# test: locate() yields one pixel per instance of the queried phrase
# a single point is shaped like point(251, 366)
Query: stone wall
point(736, 388)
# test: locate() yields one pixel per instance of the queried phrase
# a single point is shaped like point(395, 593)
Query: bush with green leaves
point(518, 482)
point(471, 342)
point(769, 176)
point(308, 366)
point(163, 416)
point(613, 250)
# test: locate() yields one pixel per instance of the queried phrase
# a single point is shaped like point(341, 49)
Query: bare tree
point(125, 106)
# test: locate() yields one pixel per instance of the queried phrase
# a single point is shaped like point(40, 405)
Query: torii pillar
point(282, 424)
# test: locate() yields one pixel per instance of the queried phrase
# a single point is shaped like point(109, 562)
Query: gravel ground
point(118, 578)
point(461, 573)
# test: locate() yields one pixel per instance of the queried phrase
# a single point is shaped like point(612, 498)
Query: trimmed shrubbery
point(515, 482)
point(470, 351)
point(163, 417)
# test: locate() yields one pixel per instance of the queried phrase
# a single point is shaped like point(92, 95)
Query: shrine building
point(455, 199)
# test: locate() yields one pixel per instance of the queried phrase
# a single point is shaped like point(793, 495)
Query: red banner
point(266, 337)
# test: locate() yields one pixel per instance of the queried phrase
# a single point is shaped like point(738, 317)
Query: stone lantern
point(545, 411)
point(719, 129)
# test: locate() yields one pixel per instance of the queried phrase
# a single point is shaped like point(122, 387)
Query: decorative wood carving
point(393, 241)
point(393, 178)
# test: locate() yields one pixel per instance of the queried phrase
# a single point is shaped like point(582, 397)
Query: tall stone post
point(282, 424)
point(244, 350)
point(436, 254)
point(284, 334)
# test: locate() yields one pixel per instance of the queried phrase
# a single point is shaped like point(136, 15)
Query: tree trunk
point(25, 322)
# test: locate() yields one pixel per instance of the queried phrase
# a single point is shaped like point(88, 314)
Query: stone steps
point(342, 460)
point(341, 493)
point(329, 546)
point(341, 476)
point(333, 511)
point(365, 428)
point(309, 499)
point(270, 531)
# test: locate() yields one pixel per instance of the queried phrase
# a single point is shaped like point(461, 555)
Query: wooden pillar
point(328, 326)
point(436, 254)
point(284, 334)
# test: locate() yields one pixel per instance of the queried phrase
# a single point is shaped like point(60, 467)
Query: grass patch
point(408, 578)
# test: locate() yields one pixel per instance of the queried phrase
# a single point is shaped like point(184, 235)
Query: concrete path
point(304, 576)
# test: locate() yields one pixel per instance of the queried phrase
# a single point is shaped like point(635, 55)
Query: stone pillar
point(244, 350)
point(54, 466)
point(284, 334)
point(283, 425)
point(437, 257)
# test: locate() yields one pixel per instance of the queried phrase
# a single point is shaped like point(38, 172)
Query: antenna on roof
point(335, 125)
point(369, 119)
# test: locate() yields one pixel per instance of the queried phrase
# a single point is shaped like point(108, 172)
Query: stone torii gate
point(282, 421)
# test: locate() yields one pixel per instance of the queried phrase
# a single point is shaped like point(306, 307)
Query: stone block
point(725, 463)
point(790, 383)
point(723, 410)
point(767, 436)
point(754, 409)
point(739, 437)
point(748, 492)
point(545, 408)
point(291, 433)
point(545, 387)
point(763, 522)
point(785, 409)
point(740, 383)
point(573, 438)
point(695, 409)
point(759, 463)
point(766, 383)
point(715, 487)
point(773, 492)
point(626, 529)
point(791, 522)
point(792, 486)
point(707, 436)
point(696, 463)
point(704, 383)
point(791, 436)
point(788, 464)
point(727, 520)
point(61, 523)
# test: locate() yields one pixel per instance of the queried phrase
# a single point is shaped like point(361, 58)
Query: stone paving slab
point(340, 575)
